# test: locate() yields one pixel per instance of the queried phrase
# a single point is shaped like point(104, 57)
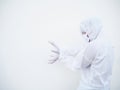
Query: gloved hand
point(56, 53)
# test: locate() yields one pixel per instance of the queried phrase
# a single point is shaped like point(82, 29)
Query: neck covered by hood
point(92, 27)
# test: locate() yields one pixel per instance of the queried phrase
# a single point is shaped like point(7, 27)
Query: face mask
point(86, 38)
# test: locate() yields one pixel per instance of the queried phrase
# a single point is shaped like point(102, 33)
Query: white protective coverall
point(94, 61)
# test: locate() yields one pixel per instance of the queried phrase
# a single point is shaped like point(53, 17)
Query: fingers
point(53, 60)
point(53, 45)
point(55, 56)
point(55, 51)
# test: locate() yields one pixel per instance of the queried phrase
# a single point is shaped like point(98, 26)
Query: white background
point(26, 26)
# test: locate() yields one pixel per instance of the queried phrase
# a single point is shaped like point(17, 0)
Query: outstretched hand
point(55, 52)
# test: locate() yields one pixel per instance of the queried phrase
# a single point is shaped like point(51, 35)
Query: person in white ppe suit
point(94, 60)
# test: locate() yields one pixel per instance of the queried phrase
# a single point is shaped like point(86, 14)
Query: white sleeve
point(82, 59)
point(71, 58)
point(88, 56)
point(64, 54)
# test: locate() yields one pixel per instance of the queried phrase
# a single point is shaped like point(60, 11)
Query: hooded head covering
point(92, 27)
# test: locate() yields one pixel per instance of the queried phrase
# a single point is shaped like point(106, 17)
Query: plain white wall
point(26, 26)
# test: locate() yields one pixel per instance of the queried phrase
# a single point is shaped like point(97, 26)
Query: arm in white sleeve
point(88, 56)
point(64, 54)
point(76, 60)
point(71, 58)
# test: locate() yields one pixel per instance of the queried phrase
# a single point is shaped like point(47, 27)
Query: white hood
point(92, 27)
